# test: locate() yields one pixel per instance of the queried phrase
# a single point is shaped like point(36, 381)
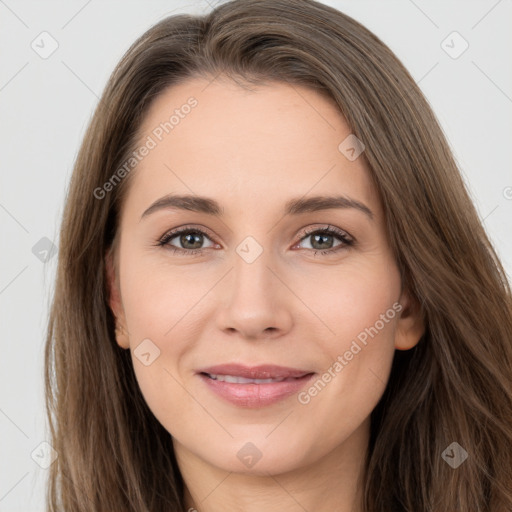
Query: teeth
point(242, 380)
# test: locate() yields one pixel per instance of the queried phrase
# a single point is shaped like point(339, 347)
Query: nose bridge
point(251, 274)
point(255, 302)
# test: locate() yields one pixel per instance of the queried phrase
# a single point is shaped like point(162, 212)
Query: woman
point(369, 370)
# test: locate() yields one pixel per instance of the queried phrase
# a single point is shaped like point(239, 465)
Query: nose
point(257, 304)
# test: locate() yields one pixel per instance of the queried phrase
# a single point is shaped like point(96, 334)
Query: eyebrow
point(295, 206)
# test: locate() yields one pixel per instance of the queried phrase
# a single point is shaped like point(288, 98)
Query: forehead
point(249, 147)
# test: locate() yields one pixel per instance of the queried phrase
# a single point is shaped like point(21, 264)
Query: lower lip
point(256, 395)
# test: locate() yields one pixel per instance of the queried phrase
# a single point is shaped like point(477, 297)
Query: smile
point(252, 393)
point(242, 380)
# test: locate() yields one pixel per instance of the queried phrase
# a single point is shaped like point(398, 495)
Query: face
point(256, 276)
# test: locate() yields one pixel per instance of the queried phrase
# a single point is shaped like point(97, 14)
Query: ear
point(114, 300)
point(410, 326)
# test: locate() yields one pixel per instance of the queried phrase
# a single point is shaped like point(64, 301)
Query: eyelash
point(330, 230)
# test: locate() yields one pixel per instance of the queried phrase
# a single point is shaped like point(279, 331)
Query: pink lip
point(255, 395)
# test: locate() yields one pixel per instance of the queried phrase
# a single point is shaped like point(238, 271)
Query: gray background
point(45, 105)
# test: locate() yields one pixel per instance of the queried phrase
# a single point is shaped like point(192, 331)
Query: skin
point(252, 151)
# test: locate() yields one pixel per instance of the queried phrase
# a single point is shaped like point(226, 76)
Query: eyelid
point(325, 228)
point(187, 227)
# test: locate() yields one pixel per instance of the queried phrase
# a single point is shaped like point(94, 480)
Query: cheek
point(366, 313)
point(159, 300)
point(350, 299)
point(342, 397)
point(162, 305)
point(367, 329)
point(360, 310)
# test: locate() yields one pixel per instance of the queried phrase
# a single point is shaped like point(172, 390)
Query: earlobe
point(115, 303)
point(411, 325)
point(122, 337)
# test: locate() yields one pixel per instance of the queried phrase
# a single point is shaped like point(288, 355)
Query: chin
point(259, 457)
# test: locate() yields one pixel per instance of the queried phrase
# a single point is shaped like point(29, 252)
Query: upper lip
point(264, 371)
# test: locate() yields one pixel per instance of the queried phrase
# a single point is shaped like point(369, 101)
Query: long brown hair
point(454, 386)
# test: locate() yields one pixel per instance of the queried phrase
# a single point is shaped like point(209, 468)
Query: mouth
point(270, 372)
point(254, 387)
point(243, 380)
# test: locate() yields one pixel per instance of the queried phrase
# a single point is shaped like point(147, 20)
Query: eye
point(322, 239)
point(190, 239)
